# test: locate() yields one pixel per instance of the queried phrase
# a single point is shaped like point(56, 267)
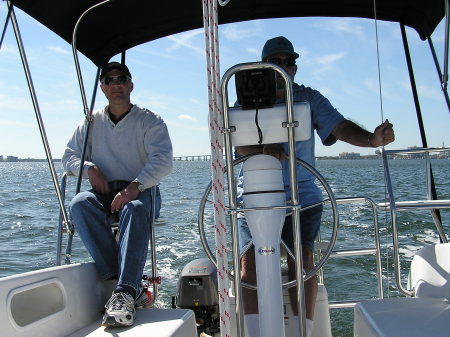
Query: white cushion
point(430, 271)
point(402, 317)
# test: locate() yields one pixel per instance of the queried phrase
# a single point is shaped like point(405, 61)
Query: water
point(29, 219)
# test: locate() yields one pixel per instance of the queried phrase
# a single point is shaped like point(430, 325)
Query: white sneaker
point(144, 299)
point(119, 310)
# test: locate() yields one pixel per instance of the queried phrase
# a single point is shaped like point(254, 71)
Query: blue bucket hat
point(278, 45)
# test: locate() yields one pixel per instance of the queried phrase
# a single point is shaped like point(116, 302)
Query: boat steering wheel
point(331, 199)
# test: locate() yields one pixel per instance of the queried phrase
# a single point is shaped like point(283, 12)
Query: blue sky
point(337, 57)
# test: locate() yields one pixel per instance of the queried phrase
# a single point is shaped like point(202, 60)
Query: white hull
point(68, 300)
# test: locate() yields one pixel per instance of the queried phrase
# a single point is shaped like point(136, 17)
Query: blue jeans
point(125, 258)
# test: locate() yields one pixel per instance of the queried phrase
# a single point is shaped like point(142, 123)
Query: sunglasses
point(279, 61)
point(121, 79)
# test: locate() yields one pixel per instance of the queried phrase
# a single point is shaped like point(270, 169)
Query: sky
point(338, 57)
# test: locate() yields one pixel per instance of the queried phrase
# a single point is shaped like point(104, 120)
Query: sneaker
point(119, 310)
point(144, 298)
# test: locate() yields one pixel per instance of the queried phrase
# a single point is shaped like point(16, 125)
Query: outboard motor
point(197, 290)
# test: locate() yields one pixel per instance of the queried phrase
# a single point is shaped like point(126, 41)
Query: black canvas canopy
point(121, 24)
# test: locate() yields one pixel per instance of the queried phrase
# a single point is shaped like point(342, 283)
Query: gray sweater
point(137, 147)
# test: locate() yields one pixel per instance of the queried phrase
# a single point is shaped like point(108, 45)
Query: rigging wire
point(8, 16)
point(382, 120)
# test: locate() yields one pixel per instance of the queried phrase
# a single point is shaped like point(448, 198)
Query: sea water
point(29, 217)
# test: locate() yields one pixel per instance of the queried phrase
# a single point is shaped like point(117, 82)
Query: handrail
point(293, 182)
point(361, 251)
point(393, 206)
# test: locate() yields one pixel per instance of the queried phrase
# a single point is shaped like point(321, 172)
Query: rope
point(382, 120)
point(210, 23)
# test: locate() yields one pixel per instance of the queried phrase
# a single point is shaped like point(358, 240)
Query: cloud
point(185, 40)
point(8, 49)
point(429, 92)
point(59, 50)
point(183, 117)
point(328, 60)
point(195, 101)
point(235, 33)
point(326, 63)
point(16, 103)
point(144, 49)
point(16, 124)
point(254, 51)
point(342, 25)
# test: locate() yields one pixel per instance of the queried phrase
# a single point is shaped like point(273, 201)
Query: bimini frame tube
point(438, 69)
point(40, 122)
point(444, 78)
point(83, 155)
point(435, 212)
point(290, 125)
point(8, 16)
point(87, 112)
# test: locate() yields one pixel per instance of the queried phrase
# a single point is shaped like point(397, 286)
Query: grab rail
point(376, 250)
point(393, 206)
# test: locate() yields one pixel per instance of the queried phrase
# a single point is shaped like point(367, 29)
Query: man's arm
point(71, 161)
point(275, 150)
point(352, 133)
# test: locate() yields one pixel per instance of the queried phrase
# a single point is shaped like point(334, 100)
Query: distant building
point(349, 155)
point(12, 158)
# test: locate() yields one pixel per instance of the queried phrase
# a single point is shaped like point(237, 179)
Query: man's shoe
point(144, 298)
point(119, 310)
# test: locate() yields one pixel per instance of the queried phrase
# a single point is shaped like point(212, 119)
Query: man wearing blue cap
point(330, 125)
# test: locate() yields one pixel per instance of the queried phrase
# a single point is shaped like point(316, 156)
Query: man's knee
point(79, 201)
point(134, 207)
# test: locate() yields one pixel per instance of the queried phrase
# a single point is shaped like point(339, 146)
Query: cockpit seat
point(426, 314)
point(430, 271)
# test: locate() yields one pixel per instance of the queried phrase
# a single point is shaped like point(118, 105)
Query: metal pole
point(86, 137)
point(5, 26)
point(40, 122)
point(438, 68)
point(153, 244)
point(233, 206)
point(435, 213)
point(301, 305)
point(292, 169)
point(447, 27)
point(87, 111)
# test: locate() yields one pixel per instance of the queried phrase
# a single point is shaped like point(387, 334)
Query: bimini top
point(119, 25)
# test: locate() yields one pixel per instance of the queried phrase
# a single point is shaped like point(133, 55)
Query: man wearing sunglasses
point(330, 125)
point(128, 152)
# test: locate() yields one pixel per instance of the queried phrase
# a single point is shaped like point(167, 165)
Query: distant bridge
point(191, 158)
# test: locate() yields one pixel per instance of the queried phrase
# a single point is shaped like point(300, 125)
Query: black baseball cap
point(114, 65)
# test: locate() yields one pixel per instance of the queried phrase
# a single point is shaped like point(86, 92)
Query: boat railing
point(429, 203)
point(374, 250)
point(61, 230)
